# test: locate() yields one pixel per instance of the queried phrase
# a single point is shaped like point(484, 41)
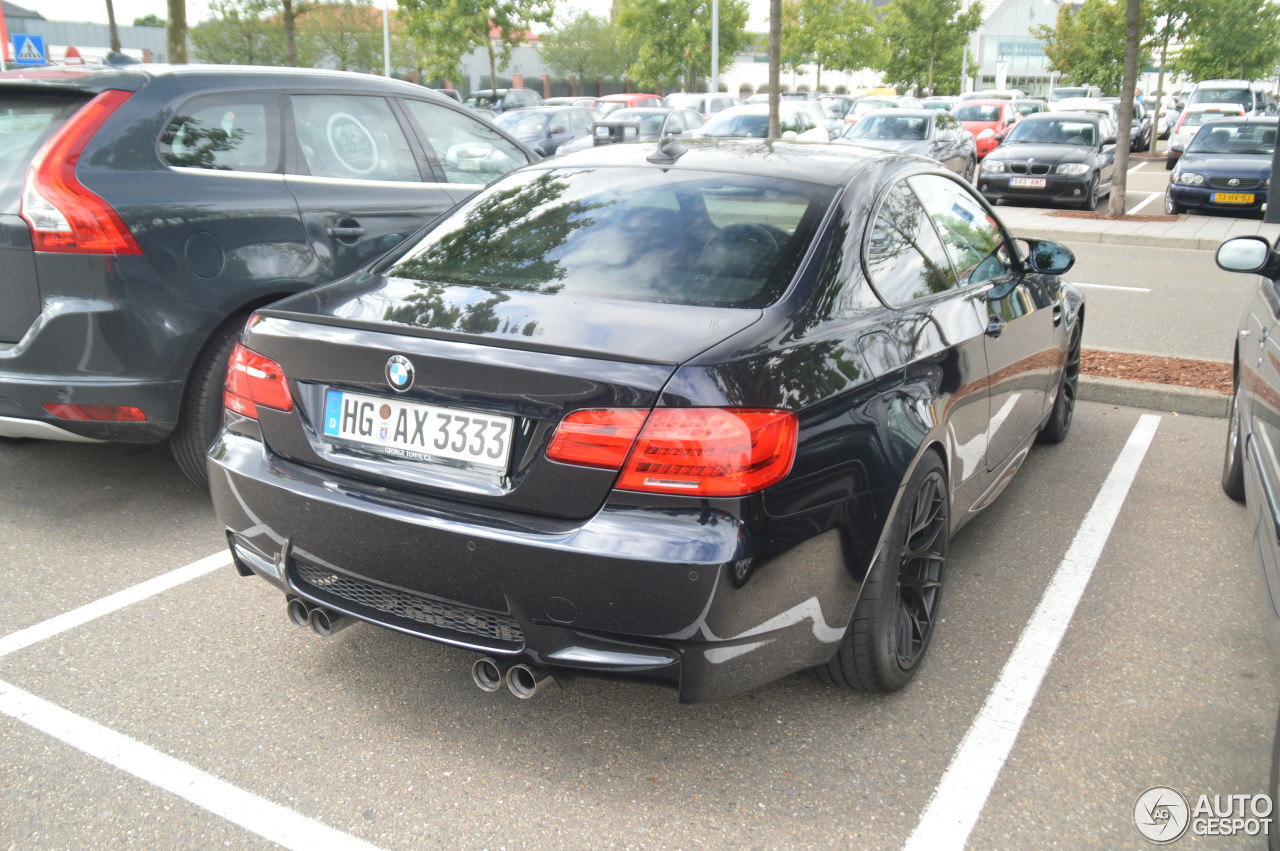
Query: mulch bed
point(1184, 372)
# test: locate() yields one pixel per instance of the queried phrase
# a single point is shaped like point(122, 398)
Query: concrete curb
point(1069, 236)
point(1157, 397)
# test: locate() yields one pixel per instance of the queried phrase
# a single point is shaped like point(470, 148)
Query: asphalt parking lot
point(196, 715)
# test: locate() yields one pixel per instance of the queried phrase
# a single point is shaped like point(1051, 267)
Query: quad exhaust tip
point(521, 679)
point(323, 622)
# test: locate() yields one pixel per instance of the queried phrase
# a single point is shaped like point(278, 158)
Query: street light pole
point(386, 41)
point(715, 46)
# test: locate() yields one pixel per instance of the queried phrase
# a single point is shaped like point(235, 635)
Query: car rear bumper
point(678, 597)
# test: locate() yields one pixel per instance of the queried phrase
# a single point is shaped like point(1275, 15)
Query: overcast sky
point(197, 10)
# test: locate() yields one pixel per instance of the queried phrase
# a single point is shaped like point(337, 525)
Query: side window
point(468, 150)
point(972, 238)
point(905, 260)
point(353, 137)
point(223, 132)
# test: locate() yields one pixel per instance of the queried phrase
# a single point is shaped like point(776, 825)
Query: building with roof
point(92, 41)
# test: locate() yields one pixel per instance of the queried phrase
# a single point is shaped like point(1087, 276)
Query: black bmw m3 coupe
point(698, 414)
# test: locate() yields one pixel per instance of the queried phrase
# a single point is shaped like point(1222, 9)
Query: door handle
point(1057, 314)
point(346, 233)
point(995, 328)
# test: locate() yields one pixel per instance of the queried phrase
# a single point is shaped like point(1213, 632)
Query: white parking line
point(76, 617)
point(962, 792)
point(1151, 196)
point(1111, 287)
point(1136, 167)
point(268, 820)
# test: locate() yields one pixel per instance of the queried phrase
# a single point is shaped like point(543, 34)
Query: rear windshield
point(974, 112)
point(631, 233)
point(1205, 95)
point(26, 121)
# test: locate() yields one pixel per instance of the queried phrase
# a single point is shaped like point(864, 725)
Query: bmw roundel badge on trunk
point(399, 373)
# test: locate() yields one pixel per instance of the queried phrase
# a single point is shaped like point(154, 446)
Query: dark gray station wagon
point(145, 211)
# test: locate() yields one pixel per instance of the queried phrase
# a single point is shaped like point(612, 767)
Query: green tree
point(1237, 39)
point(830, 34)
point(241, 32)
point(924, 41)
point(1088, 46)
point(585, 48)
point(348, 36)
point(671, 39)
point(1170, 17)
point(151, 20)
point(448, 30)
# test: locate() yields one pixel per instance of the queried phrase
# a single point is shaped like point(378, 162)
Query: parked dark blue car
point(1227, 166)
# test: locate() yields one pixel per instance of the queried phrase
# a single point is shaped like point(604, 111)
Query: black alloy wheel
point(970, 169)
point(1064, 407)
point(1091, 196)
point(897, 611)
point(1233, 457)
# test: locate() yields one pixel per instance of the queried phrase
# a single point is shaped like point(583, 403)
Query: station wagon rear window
point(26, 121)
point(632, 233)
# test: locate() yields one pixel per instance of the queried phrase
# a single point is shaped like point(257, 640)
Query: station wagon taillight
point(64, 215)
point(253, 380)
point(709, 452)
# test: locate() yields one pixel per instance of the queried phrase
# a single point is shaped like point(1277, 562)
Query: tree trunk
point(290, 43)
point(1132, 47)
point(775, 64)
point(175, 32)
point(493, 65)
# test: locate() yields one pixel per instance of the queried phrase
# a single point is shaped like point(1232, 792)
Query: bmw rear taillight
point(64, 215)
point(254, 380)
point(710, 452)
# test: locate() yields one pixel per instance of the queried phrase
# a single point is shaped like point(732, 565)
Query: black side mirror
point(1048, 257)
point(1248, 254)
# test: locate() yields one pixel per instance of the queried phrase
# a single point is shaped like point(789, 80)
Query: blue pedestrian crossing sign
point(29, 50)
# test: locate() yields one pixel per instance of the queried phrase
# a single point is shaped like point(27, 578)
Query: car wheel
point(1172, 207)
point(1064, 407)
point(1091, 196)
point(970, 169)
point(1169, 162)
point(201, 414)
point(1233, 458)
point(898, 610)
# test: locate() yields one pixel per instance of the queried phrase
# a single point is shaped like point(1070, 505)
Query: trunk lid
point(493, 374)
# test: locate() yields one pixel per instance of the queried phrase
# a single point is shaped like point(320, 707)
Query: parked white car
point(751, 121)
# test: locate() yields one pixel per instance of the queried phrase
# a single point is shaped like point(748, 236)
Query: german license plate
point(1027, 183)
point(404, 429)
point(1233, 198)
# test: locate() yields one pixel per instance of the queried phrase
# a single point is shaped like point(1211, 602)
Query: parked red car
point(987, 119)
point(610, 103)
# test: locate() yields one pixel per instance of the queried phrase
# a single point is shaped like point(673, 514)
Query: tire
point(898, 609)
point(1172, 207)
point(970, 169)
point(201, 415)
point(1064, 407)
point(1169, 162)
point(1233, 457)
point(1091, 197)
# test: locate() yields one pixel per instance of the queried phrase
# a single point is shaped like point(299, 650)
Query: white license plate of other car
point(1028, 182)
point(1233, 197)
point(420, 432)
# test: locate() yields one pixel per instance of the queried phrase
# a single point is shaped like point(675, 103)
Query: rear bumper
point(689, 598)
